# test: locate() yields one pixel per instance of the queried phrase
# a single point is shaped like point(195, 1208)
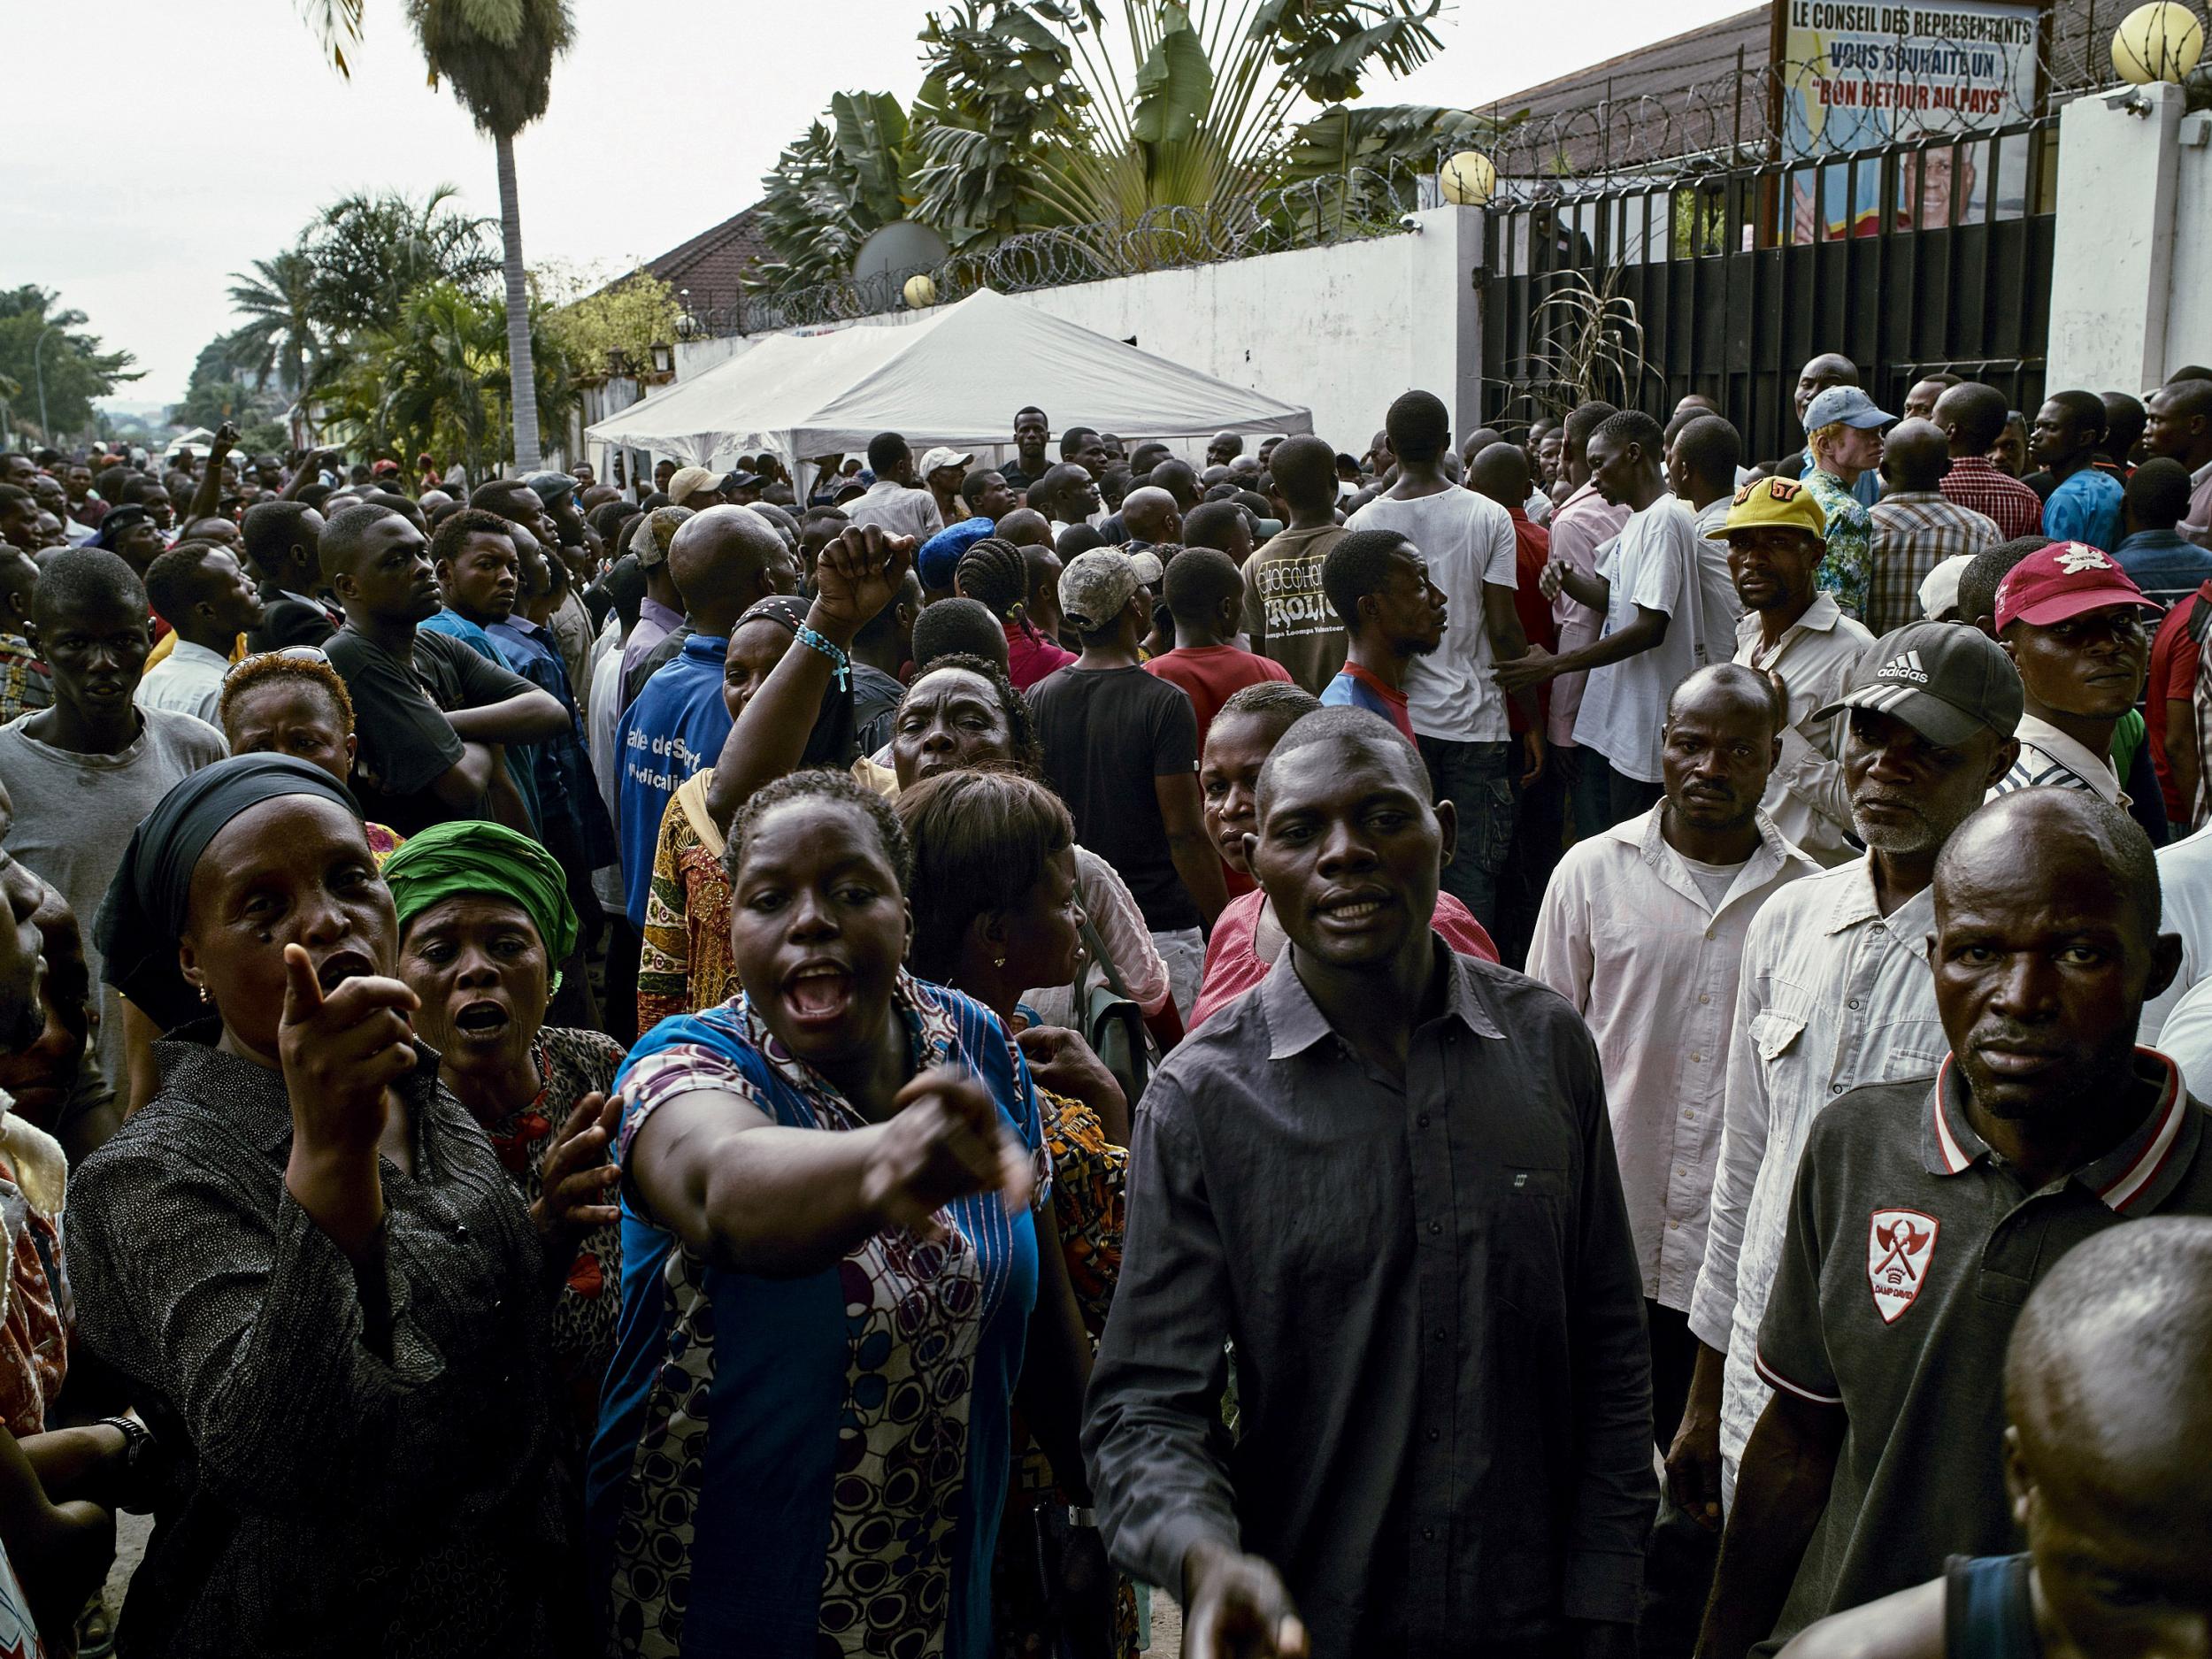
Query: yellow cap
point(1782, 501)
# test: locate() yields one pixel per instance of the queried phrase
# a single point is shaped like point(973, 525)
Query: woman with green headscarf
point(484, 920)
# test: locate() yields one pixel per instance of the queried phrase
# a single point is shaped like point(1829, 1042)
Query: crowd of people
point(1534, 1047)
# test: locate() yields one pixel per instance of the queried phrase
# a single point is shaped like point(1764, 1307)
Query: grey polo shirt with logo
point(1911, 1247)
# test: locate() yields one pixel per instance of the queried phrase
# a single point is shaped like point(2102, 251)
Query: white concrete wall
point(2132, 274)
point(1342, 329)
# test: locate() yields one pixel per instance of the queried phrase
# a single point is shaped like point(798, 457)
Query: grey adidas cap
point(1946, 680)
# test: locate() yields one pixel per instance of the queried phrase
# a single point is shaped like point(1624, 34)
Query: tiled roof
point(713, 265)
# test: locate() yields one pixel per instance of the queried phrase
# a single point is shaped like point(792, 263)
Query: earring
point(204, 996)
point(998, 962)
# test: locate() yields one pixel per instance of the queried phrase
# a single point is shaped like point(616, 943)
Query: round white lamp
point(1469, 180)
point(920, 292)
point(2159, 42)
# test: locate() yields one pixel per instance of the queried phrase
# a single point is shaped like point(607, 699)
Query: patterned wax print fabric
point(685, 963)
point(571, 1064)
point(807, 1467)
point(1849, 561)
point(1090, 1176)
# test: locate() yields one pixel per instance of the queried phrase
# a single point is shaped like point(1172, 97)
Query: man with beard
point(1926, 1210)
point(1378, 583)
point(1799, 638)
point(1835, 992)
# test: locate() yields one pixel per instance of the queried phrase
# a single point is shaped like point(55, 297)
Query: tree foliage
point(436, 379)
point(497, 53)
point(844, 179)
point(1037, 113)
point(617, 324)
point(74, 367)
point(370, 252)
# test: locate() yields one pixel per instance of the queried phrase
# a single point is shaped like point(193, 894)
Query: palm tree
point(498, 54)
point(1184, 105)
point(281, 335)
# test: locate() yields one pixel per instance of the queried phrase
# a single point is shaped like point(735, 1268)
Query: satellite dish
point(897, 251)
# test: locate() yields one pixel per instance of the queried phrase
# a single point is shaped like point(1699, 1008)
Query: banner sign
point(1859, 76)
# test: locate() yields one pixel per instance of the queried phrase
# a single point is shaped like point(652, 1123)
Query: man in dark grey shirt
point(1386, 1177)
point(1926, 1210)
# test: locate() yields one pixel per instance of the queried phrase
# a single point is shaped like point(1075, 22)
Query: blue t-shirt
point(780, 1459)
point(2085, 508)
point(1350, 690)
point(676, 726)
point(522, 759)
point(566, 784)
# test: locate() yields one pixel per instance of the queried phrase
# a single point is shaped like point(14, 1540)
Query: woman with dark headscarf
point(306, 1260)
point(484, 922)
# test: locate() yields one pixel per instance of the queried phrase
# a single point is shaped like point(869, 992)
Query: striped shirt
point(1974, 483)
point(1833, 993)
point(2049, 759)
point(1914, 531)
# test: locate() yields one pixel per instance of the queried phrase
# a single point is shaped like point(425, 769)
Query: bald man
point(1065, 495)
point(1925, 1209)
point(2108, 1460)
point(721, 561)
point(1151, 517)
point(1915, 525)
point(724, 560)
point(1025, 527)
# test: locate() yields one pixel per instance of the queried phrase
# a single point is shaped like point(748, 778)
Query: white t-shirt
point(1718, 603)
point(1652, 564)
point(1467, 541)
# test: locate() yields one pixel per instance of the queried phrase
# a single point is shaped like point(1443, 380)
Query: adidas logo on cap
point(1905, 667)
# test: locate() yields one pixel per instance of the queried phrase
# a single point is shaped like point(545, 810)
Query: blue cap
point(1847, 406)
point(935, 563)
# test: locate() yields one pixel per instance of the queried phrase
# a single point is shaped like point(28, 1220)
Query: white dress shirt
point(898, 508)
point(1627, 936)
point(1805, 796)
point(1833, 995)
point(189, 680)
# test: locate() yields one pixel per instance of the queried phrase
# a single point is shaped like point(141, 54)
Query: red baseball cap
point(2063, 581)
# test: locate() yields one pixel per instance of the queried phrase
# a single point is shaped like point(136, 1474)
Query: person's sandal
point(95, 1630)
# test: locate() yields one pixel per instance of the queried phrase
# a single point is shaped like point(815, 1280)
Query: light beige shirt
point(1627, 936)
point(1832, 994)
point(897, 508)
point(1805, 796)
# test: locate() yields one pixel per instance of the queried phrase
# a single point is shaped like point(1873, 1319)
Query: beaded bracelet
point(843, 664)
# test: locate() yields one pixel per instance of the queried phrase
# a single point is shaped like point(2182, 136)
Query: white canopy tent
point(955, 376)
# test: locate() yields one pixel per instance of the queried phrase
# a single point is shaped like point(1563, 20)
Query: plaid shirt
point(1843, 573)
point(1975, 484)
point(25, 685)
point(1914, 532)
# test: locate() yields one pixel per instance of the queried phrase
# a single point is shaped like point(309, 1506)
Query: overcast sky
point(157, 147)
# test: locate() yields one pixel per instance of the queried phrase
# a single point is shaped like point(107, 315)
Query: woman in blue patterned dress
point(830, 1278)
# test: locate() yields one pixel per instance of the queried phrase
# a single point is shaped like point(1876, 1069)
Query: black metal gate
point(1940, 259)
